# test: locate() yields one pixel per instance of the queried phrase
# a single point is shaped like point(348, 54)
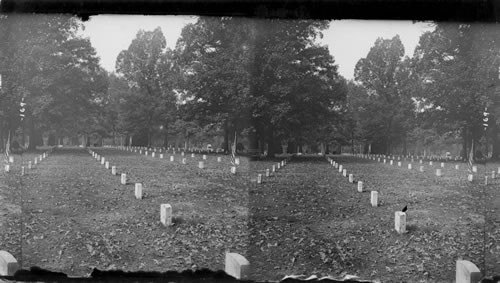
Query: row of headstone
point(37, 160)
point(201, 164)
point(165, 209)
point(439, 172)
point(274, 169)
point(341, 169)
point(168, 149)
point(408, 157)
point(400, 216)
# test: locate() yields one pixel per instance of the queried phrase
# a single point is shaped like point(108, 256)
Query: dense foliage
point(267, 82)
point(434, 99)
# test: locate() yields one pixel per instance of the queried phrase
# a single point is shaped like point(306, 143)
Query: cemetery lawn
point(77, 216)
point(307, 219)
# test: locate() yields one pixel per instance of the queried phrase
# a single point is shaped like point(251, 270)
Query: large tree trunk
point(495, 139)
point(291, 147)
point(405, 151)
point(2, 144)
point(32, 135)
point(165, 136)
point(272, 144)
point(226, 137)
point(465, 150)
point(149, 136)
point(352, 142)
point(114, 135)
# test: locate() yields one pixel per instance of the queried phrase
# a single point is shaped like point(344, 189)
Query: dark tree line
point(56, 72)
point(267, 81)
point(434, 99)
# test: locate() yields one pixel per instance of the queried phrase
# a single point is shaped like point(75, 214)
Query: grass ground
point(77, 216)
point(305, 219)
point(309, 219)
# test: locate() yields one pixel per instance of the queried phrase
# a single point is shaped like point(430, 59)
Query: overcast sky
point(348, 40)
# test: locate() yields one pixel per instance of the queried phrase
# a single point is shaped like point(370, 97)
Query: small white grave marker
point(421, 169)
point(166, 214)
point(470, 177)
point(233, 169)
point(259, 178)
point(8, 264)
point(106, 165)
point(430, 163)
point(146, 153)
point(36, 161)
point(113, 170)
point(29, 164)
point(204, 157)
point(124, 179)
point(399, 163)
point(457, 166)
point(237, 266)
point(183, 160)
point(161, 155)
point(7, 168)
point(153, 155)
point(22, 170)
point(192, 155)
point(374, 198)
point(467, 272)
point(385, 161)
point(237, 161)
point(360, 186)
point(409, 166)
point(171, 158)
point(439, 173)
point(201, 165)
point(267, 173)
point(474, 169)
point(442, 164)
point(138, 190)
point(219, 159)
point(391, 162)
point(103, 160)
point(493, 175)
point(400, 222)
point(340, 168)
point(486, 180)
point(344, 172)
point(351, 178)
point(278, 165)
